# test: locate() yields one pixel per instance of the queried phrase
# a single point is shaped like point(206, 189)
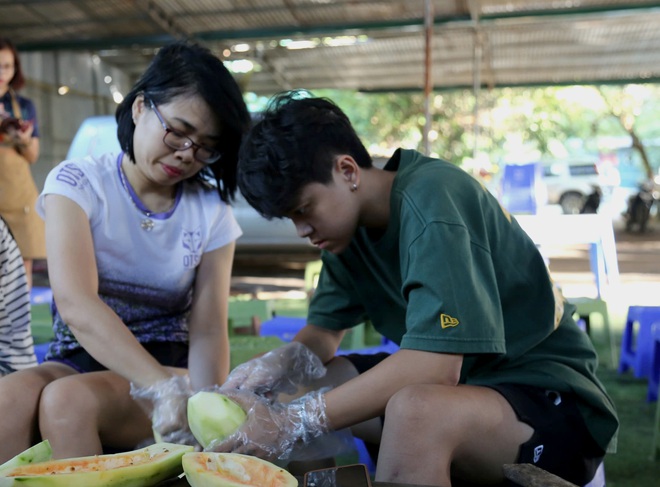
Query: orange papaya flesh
point(145, 467)
point(234, 470)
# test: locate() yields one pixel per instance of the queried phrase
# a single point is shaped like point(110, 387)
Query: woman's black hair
point(184, 68)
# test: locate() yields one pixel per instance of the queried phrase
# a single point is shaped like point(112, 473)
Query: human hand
point(166, 404)
point(19, 131)
point(272, 430)
point(9, 125)
point(281, 370)
point(23, 134)
point(26, 129)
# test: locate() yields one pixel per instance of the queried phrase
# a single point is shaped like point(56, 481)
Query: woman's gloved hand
point(166, 404)
point(273, 429)
point(281, 370)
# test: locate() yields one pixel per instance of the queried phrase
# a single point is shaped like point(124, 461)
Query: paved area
point(639, 268)
point(638, 257)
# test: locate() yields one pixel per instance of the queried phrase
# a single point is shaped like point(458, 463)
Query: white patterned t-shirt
point(145, 276)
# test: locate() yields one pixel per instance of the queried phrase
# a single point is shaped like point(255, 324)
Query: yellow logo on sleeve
point(447, 321)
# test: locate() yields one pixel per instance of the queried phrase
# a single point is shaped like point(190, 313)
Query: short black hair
point(184, 68)
point(295, 143)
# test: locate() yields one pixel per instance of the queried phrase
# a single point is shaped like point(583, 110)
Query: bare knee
point(19, 402)
point(422, 415)
point(65, 400)
point(20, 392)
point(413, 404)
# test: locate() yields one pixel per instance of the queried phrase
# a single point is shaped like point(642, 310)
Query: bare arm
point(25, 144)
point(208, 358)
point(367, 395)
point(73, 274)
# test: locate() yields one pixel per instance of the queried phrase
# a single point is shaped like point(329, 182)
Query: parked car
point(98, 135)
point(569, 183)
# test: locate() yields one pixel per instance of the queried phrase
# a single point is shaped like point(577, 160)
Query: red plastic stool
point(637, 343)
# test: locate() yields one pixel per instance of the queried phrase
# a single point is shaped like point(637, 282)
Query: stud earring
point(354, 187)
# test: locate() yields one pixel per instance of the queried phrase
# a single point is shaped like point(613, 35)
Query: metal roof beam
point(462, 20)
point(162, 18)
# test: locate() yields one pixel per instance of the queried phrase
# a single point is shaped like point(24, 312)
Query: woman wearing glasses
point(140, 246)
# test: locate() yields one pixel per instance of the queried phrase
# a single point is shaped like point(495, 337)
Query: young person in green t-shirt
point(492, 369)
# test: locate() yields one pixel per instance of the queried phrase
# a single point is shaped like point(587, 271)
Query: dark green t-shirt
point(453, 272)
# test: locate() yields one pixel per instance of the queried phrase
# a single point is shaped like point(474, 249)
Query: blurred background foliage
point(510, 124)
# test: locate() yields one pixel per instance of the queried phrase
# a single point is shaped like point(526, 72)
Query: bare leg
point(103, 413)
point(433, 432)
point(19, 402)
point(27, 263)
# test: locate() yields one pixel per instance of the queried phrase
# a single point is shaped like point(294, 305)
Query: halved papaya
point(40, 452)
point(234, 470)
point(145, 467)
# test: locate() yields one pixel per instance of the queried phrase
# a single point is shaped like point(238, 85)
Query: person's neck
point(3, 91)
point(376, 186)
point(156, 198)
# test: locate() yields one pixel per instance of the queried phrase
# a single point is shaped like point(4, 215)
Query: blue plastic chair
point(654, 375)
point(637, 344)
point(41, 295)
point(284, 327)
point(363, 455)
point(40, 351)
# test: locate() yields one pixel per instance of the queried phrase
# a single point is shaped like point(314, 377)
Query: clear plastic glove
point(273, 430)
point(166, 404)
point(282, 370)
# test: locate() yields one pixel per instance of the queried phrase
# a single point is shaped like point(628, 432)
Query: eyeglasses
point(178, 141)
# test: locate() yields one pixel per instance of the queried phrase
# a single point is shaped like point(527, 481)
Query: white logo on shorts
point(537, 453)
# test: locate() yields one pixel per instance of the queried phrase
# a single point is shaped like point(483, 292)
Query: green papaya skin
point(213, 416)
point(41, 452)
point(139, 468)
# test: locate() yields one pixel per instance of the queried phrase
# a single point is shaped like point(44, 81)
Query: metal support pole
point(476, 90)
point(428, 74)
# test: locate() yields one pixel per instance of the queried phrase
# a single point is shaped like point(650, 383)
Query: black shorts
point(171, 354)
point(561, 443)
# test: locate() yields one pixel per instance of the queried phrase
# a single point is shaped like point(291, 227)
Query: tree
point(625, 105)
point(386, 121)
point(514, 124)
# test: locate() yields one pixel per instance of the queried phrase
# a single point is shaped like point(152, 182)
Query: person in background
point(16, 343)
point(140, 250)
point(19, 148)
point(491, 370)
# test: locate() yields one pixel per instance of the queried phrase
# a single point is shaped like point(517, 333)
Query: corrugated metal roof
point(521, 41)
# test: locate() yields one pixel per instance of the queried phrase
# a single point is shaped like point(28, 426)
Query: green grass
point(42, 323)
point(630, 465)
point(243, 348)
